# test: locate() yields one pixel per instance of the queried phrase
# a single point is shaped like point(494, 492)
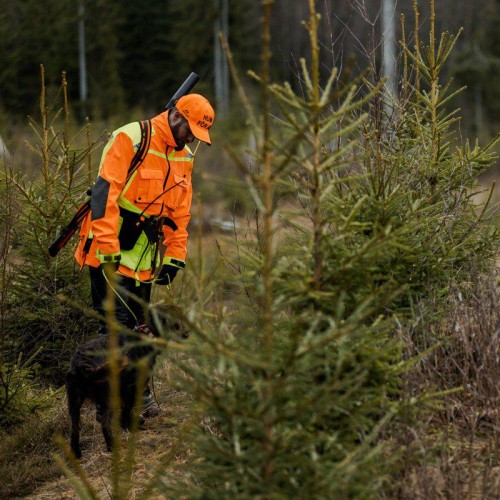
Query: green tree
point(33, 33)
point(34, 319)
point(355, 224)
point(151, 64)
point(104, 57)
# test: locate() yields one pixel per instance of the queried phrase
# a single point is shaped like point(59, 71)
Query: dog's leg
point(106, 425)
point(75, 401)
point(127, 401)
point(128, 405)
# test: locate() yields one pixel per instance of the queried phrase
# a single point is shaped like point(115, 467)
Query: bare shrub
point(460, 443)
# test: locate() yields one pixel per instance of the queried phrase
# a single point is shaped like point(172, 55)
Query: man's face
point(181, 131)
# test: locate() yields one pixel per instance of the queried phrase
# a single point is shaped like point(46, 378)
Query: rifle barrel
point(188, 84)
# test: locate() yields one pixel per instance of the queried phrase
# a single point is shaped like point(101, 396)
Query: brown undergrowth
point(458, 441)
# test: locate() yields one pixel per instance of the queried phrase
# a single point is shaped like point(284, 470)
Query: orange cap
point(199, 113)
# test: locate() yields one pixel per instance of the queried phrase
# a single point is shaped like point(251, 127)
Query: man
point(119, 234)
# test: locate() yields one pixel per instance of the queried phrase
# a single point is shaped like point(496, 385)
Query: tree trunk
point(82, 63)
point(4, 152)
point(221, 70)
point(389, 46)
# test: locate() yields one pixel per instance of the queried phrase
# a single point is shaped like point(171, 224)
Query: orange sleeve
point(112, 178)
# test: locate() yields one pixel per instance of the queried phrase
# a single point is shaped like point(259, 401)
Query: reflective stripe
point(188, 158)
point(123, 202)
point(171, 261)
point(184, 160)
point(128, 205)
point(113, 257)
point(156, 153)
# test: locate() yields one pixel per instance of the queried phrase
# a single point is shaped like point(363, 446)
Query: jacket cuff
point(111, 257)
point(172, 261)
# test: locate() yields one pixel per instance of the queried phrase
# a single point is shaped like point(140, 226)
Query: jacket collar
point(162, 128)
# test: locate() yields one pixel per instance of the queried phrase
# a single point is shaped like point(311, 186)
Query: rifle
point(70, 229)
point(188, 84)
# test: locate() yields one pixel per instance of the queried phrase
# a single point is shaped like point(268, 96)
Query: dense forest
point(339, 307)
point(137, 52)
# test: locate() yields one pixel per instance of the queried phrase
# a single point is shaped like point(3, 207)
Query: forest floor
point(464, 462)
point(455, 448)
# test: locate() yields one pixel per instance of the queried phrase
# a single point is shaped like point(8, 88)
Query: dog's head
point(165, 321)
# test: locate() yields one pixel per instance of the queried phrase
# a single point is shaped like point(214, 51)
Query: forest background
point(376, 318)
point(138, 52)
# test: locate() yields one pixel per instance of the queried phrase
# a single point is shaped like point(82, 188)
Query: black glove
point(166, 275)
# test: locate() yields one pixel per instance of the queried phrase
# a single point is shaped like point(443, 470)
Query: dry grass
point(25, 461)
point(459, 444)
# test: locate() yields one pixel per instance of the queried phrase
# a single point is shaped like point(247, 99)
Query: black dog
point(88, 378)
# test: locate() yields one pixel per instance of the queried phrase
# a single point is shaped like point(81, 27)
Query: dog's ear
point(145, 330)
point(178, 328)
point(164, 318)
point(155, 320)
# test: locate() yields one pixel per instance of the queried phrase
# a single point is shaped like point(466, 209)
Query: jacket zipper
point(166, 179)
point(161, 211)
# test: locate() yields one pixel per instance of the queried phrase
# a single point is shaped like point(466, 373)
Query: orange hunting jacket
point(163, 169)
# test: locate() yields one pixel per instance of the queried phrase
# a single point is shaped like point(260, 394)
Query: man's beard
point(179, 143)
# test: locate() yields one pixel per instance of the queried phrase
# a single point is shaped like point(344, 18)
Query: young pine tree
point(36, 319)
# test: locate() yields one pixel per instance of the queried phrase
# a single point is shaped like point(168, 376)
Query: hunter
point(130, 218)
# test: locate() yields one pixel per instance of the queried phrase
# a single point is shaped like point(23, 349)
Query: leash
point(120, 297)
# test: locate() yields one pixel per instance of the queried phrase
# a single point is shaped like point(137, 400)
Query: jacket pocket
point(140, 257)
point(178, 192)
point(150, 186)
